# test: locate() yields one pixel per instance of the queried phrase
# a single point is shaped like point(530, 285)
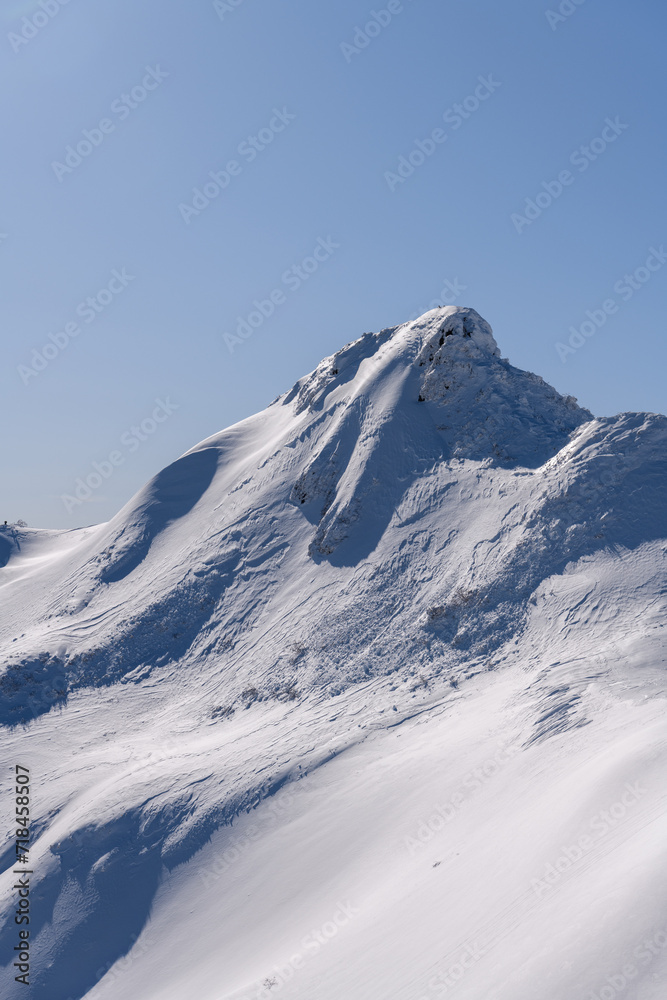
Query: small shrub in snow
point(222, 712)
point(298, 650)
point(249, 695)
point(461, 597)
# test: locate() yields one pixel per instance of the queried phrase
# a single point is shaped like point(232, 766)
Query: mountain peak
point(459, 323)
point(417, 341)
point(484, 406)
point(394, 404)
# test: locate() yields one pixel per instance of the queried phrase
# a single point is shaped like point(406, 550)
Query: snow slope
point(421, 580)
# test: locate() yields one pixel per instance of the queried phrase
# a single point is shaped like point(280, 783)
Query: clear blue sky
point(332, 111)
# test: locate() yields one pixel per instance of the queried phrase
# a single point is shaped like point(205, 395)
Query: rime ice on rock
point(461, 324)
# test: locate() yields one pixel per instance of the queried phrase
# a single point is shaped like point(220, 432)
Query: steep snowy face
point(366, 361)
point(429, 391)
point(482, 405)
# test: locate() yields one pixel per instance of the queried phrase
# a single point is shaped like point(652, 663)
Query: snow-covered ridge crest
point(398, 403)
point(459, 326)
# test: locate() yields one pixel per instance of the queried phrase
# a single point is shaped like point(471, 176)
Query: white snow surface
point(360, 699)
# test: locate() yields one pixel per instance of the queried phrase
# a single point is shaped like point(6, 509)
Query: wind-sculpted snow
point(415, 528)
point(170, 495)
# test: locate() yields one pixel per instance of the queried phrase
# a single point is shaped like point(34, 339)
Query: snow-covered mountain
point(362, 697)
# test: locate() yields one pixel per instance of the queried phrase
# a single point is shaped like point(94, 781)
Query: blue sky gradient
point(370, 159)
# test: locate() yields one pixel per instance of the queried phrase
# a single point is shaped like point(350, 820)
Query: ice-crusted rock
point(462, 324)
